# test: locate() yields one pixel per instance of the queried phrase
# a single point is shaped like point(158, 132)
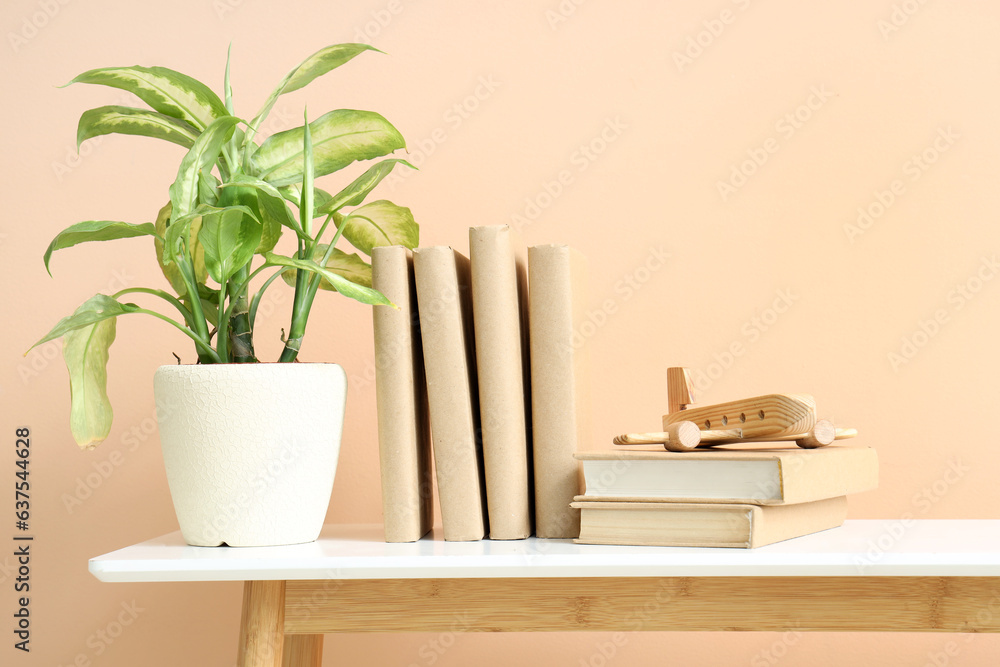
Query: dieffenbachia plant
point(227, 208)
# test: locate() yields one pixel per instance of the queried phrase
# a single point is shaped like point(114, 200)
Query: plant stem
point(322, 229)
point(241, 330)
point(314, 279)
point(222, 335)
point(228, 162)
point(300, 314)
point(202, 344)
point(188, 317)
point(199, 324)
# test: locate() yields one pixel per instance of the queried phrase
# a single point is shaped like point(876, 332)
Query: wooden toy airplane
point(768, 418)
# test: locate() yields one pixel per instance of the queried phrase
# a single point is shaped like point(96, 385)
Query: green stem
point(300, 310)
point(322, 230)
point(238, 314)
point(246, 283)
point(199, 324)
point(203, 344)
point(222, 336)
point(248, 136)
point(188, 316)
point(230, 162)
point(316, 278)
point(333, 242)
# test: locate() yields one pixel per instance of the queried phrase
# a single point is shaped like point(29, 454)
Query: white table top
point(967, 548)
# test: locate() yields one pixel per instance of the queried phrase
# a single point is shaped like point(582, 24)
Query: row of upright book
point(485, 358)
point(497, 381)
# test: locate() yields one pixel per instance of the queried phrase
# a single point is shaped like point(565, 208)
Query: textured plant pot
point(250, 449)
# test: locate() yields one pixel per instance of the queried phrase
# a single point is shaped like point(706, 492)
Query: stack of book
point(469, 363)
point(719, 498)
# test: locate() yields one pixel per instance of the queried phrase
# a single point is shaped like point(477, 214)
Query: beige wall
point(664, 133)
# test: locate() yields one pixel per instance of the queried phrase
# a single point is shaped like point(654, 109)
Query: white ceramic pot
point(250, 449)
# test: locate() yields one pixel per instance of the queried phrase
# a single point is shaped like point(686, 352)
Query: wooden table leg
point(303, 651)
point(262, 626)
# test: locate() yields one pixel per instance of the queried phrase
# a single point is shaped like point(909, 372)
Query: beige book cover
point(761, 476)
point(500, 313)
point(443, 294)
point(401, 400)
point(560, 400)
point(705, 524)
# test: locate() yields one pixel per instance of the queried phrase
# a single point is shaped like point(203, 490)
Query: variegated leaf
point(339, 138)
point(171, 93)
point(202, 155)
point(139, 122)
point(350, 266)
point(304, 73)
point(380, 223)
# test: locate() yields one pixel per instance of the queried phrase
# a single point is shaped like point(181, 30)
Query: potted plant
point(250, 448)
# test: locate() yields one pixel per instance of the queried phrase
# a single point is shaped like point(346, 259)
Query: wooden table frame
point(868, 575)
point(283, 622)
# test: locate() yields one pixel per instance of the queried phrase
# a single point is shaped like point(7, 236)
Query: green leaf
point(270, 206)
point(177, 238)
point(316, 65)
point(168, 263)
point(226, 85)
point(362, 186)
point(85, 351)
point(339, 138)
point(307, 207)
point(208, 294)
point(380, 223)
point(208, 188)
point(274, 212)
point(95, 309)
point(275, 209)
point(343, 285)
point(202, 155)
point(140, 122)
point(293, 194)
point(211, 312)
point(171, 93)
point(95, 230)
point(230, 236)
point(270, 231)
point(242, 180)
point(352, 267)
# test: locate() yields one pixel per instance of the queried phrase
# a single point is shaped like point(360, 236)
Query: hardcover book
point(757, 476)
point(401, 399)
point(443, 296)
point(500, 313)
point(560, 404)
point(672, 524)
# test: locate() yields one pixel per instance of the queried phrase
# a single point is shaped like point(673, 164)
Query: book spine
point(443, 295)
point(829, 472)
point(499, 292)
point(559, 384)
point(401, 400)
point(776, 523)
